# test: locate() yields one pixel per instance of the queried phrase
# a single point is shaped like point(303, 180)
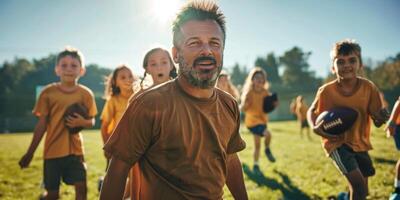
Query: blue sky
point(113, 32)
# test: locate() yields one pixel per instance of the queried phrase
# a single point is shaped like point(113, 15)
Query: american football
point(268, 103)
point(337, 120)
point(79, 109)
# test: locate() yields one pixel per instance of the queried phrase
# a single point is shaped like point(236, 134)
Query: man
point(185, 133)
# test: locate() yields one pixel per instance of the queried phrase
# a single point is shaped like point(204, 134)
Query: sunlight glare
point(165, 10)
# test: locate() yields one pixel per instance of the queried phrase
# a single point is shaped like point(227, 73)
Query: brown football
point(79, 109)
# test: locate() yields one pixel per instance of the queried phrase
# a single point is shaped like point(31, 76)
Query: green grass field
point(301, 172)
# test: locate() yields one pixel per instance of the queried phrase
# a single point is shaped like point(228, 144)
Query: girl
point(224, 83)
point(119, 87)
point(158, 63)
point(255, 89)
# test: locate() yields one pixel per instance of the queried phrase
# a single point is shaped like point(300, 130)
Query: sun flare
point(165, 10)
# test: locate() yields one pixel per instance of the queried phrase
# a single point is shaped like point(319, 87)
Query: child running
point(119, 87)
point(349, 151)
point(393, 129)
point(301, 114)
point(255, 89)
point(63, 151)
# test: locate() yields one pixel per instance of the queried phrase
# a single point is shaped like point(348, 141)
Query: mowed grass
point(301, 171)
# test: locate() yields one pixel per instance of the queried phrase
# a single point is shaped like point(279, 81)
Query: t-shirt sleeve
point(42, 105)
point(236, 143)
point(133, 134)
point(108, 111)
point(375, 101)
point(90, 103)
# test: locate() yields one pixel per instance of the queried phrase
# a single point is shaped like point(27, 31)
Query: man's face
point(200, 52)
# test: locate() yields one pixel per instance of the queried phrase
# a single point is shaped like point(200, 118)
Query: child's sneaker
point(343, 196)
point(256, 169)
point(395, 195)
point(269, 155)
point(100, 183)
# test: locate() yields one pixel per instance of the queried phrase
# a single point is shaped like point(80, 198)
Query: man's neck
point(194, 91)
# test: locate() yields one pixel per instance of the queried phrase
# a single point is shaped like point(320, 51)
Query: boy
point(63, 152)
point(393, 129)
point(349, 151)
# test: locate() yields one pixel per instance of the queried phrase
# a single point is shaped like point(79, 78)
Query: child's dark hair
point(346, 47)
point(73, 52)
point(172, 73)
point(111, 88)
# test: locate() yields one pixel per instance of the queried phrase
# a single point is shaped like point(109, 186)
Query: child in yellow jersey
point(349, 151)
point(119, 87)
point(300, 110)
point(158, 63)
point(255, 89)
point(224, 83)
point(393, 129)
point(63, 152)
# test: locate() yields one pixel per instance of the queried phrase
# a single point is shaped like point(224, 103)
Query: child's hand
point(75, 121)
point(380, 117)
point(25, 160)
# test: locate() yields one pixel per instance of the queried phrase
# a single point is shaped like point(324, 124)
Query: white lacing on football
point(333, 124)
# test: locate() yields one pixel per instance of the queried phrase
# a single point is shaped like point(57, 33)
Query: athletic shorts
point(258, 129)
point(70, 168)
point(396, 136)
point(347, 160)
point(304, 124)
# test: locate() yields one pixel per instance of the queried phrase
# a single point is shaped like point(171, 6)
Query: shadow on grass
point(385, 161)
point(288, 190)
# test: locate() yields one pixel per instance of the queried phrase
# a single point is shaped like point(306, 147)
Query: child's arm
point(78, 121)
point(317, 128)
point(246, 103)
point(391, 122)
point(38, 133)
point(234, 179)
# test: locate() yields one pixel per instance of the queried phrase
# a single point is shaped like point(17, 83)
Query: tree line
point(19, 79)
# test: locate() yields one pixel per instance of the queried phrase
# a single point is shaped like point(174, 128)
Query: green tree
point(271, 65)
point(296, 74)
point(238, 75)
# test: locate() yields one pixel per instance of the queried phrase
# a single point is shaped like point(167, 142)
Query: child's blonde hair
point(248, 84)
point(111, 88)
point(172, 73)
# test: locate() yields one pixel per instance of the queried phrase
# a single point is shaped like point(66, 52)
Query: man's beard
point(194, 76)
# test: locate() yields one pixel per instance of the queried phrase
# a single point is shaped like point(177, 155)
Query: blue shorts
point(258, 129)
point(396, 136)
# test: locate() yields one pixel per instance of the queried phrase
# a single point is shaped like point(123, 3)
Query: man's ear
point(175, 54)
point(83, 71)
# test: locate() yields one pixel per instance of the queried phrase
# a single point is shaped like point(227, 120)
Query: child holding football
point(349, 151)
point(393, 129)
point(63, 152)
point(255, 89)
